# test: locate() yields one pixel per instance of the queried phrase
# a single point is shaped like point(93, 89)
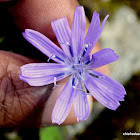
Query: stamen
point(54, 56)
point(75, 87)
point(85, 49)
point(90, 57)
point(83, 87)
point(79, 60)
point(70, 49)
point(88, 62)
point(89, 44)
point(90, 50)
point(85, 94)
point(50, 58)
point(73, 84)
point(59, 58)
point(55, 85)
point(96, 76)
point(84, 52)
point(84, 90)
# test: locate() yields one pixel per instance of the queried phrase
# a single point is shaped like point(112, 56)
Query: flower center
point(79, 68)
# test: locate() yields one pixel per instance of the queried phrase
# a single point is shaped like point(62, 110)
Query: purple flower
point(75, 60)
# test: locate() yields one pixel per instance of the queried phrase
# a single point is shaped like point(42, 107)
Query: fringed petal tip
point(58, 20)
point(29, 30)
point(112, 54)
point(115, 55)
point(78, 120)
point(55, 122)
point(125, 92)
point(107, 16)
point(112, 105)
point(26, 31)
point(23, 34)
point(81, 119)
point(22, 69)
point(115, 106)
point(26, 34)
point(22, 78)
point(95, 13)
point(79, 7)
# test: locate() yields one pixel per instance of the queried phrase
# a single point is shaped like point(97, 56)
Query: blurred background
point(121, 33)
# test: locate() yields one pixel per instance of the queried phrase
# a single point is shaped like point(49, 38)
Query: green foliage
point(11, 136)
point(1, 39)
point(52, 133)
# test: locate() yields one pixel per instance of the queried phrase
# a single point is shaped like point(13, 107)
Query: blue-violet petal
point(63, 104)
point(102, 57)
point(81, 106)
point(63, 33)
point(44, 44)
point(106, 90)
point(78, 30)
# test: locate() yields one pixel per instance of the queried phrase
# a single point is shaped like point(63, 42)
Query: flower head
point(74, 60)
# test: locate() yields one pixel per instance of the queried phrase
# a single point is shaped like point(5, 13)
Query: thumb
point(38, 14)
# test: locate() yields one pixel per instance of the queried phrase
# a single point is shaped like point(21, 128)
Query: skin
point(20, 104)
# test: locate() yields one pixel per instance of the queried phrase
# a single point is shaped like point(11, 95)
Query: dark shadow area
point(13, 40)
point(24, 133)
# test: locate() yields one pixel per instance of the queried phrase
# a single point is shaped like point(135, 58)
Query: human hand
point(21, 104)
